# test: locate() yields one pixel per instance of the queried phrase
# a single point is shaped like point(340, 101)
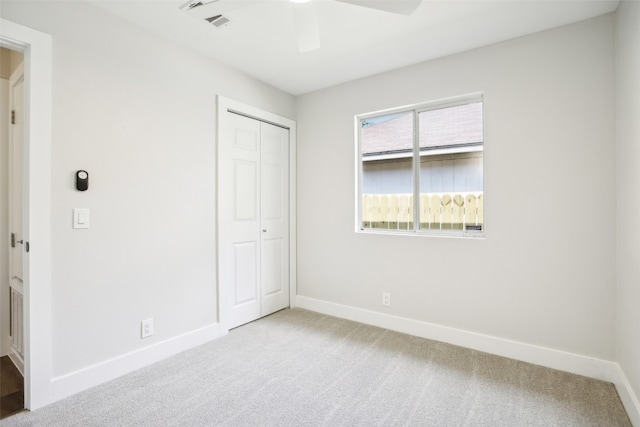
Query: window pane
point(451, 168)
point(387, 171)
point(451, 127)
point(392, 133)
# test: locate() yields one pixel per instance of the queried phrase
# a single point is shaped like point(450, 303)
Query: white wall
point(5, 63)
point(138, 113)
point(9, 62)
point(628, 185)
point(545, 273)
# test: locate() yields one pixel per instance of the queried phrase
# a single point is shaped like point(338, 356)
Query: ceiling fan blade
point(402, 7)
point(306, 25)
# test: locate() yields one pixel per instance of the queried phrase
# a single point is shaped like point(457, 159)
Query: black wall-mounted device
point(82, 180)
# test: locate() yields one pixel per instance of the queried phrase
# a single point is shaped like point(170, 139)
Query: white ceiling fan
point(305, 17)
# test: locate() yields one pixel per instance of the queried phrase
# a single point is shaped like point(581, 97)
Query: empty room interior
point(337, 212)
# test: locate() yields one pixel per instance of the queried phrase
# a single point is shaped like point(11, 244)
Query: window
point(421, 168)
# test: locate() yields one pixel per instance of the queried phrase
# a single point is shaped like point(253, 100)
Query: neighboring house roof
point(443, 127)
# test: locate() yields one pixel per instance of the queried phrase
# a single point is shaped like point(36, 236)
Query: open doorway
point(37, 50)
point(11, 232)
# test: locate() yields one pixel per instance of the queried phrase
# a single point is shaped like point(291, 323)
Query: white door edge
point(16, 78)
point(16, 209)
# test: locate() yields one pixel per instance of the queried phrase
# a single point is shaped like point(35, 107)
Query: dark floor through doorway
point(11, 388)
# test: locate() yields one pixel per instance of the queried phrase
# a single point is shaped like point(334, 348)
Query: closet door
point(274, 165)
point(253, 211)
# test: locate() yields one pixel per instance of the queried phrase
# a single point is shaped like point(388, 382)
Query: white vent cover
point(218, 21)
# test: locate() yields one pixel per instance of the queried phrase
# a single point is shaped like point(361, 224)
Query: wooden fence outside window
point(438, 211)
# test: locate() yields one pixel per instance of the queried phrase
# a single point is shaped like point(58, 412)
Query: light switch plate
point(80, 218)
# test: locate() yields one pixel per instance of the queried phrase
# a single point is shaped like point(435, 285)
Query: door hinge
point(22, 242)
point(13, 117)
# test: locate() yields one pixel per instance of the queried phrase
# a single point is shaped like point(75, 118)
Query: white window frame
point(416, 109)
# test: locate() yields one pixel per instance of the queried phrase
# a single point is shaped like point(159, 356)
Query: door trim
point(36, 47)
point(228, 105)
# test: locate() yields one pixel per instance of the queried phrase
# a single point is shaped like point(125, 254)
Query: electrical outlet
point(147, 328)
point(386, 299)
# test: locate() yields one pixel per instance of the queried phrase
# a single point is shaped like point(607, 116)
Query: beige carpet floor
point(300, 368)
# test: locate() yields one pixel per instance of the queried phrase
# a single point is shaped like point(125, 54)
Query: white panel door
point(274, 144)
point(239, 209)
point(253, 209)
point(16, 203)
point(16, 155)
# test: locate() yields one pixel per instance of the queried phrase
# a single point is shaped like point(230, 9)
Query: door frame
point(225, 105)
point(36, 47)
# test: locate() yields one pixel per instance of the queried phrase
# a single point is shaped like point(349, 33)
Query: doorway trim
point(36, 47)
point(228, 105)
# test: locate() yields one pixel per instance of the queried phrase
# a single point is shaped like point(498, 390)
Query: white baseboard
point(628, 397)
point(74, 382)
point(556, 359)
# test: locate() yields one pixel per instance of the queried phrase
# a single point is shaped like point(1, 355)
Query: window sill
point(426, 233)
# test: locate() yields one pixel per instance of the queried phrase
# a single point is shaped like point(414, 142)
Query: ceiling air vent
point(218, 21)
point(196, 3)
point(193, 4)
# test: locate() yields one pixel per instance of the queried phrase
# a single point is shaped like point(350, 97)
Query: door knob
point(264, 230)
